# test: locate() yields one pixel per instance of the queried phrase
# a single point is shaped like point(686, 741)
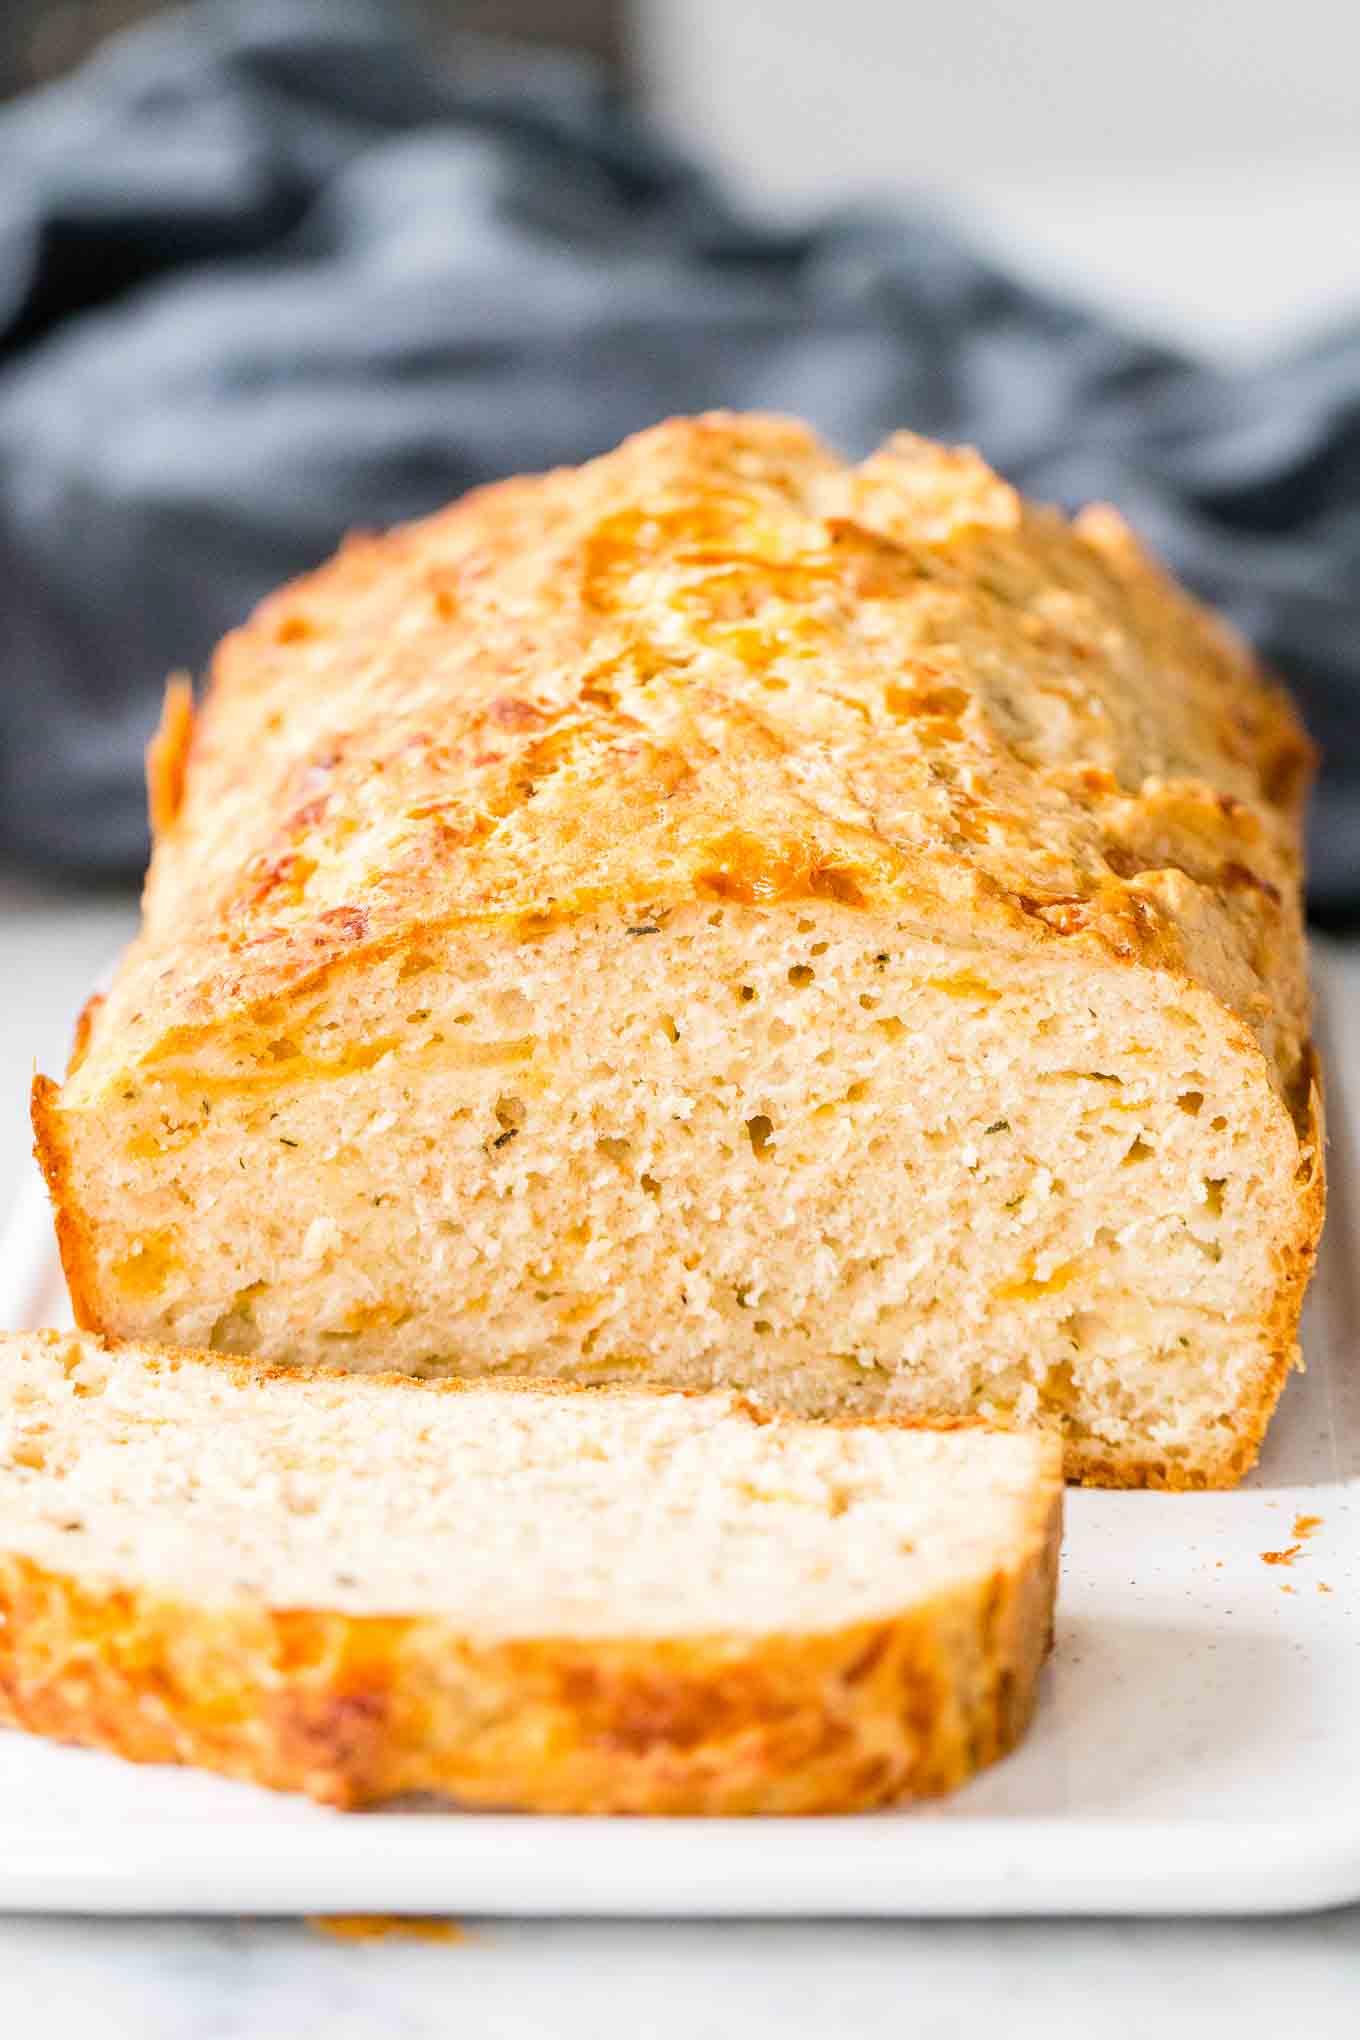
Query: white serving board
point(1197, 1749)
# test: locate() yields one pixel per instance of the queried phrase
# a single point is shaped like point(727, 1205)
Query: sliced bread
point(512, 1594)
point(725, 918)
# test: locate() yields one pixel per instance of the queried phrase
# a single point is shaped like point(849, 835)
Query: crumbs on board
point(1304, 1528)
point(385, 1926)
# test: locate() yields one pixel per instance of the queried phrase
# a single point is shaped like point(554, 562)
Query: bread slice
point(724, 918)
point(513, 1595)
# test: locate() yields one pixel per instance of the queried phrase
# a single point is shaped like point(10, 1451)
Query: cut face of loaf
point(511, 1595)
point(725, 919)
point(838, 1167)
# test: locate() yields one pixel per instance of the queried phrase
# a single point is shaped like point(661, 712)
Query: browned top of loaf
point(720, 661)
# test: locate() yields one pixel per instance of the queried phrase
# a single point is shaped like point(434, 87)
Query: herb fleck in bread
point(512, 1594)
point(723, 917)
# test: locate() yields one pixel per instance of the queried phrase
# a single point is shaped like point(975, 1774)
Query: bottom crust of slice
point(362, 1710)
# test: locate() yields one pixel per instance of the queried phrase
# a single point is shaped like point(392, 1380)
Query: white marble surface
point(274, 1980)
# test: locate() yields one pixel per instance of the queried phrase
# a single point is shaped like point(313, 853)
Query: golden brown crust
point(85, 1020)
point(73, 1233)
point(167, 755)
point(720, 661)
point(357, 1710)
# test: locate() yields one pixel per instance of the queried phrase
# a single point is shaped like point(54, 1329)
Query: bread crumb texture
point(513, 1594)
point(726, 917)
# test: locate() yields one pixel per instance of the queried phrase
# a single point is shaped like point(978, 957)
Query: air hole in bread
point(512, 1010)
point(509, 1116)
point(1085, 1328)
point(1058, 1391)
point(759, 1130)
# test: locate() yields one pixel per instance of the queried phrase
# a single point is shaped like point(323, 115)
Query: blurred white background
point(1192, 165)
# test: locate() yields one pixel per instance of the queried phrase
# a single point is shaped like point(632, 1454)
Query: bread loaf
point(511, 1595)
point(725, 917)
